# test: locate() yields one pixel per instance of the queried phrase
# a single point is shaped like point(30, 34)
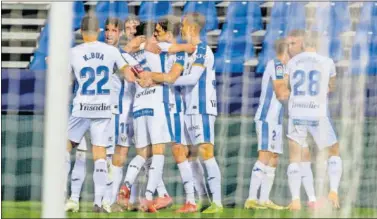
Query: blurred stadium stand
point(230, 25)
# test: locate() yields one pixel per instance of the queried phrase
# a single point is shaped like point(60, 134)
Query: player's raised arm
point(197, 69)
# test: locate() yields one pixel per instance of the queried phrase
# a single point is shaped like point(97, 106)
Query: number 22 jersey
point(93, 65)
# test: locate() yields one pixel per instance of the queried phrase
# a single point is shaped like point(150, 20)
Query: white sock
point(187, 180)
point(294, 180)
point(155, 175)
point(133, 170)
point(78, 175)
point(109, 183)
point(99, 178)
point(161, 189)
point(117, 179)
point(257, 176)
point(135, 190)
point(214, 180)
point(307, 180)
point(267, 182)
point(199, 180)
point(335, 172)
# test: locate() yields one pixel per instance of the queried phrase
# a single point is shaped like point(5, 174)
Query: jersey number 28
point(313, 85)
point(91, 74)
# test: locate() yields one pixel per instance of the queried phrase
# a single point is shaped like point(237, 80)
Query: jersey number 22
point(91, 74)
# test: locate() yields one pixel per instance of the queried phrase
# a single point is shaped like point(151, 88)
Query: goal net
point(241, 36)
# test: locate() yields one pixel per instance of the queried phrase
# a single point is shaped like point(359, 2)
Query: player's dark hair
point(280, 46)
point(297, 33)
point(171, 23)
point(196, 18)
point(146, 29)
point(114, 21)
point(89, 24)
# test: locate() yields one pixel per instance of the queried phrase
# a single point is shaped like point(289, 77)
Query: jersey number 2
point(90, 73)
point(313, 86)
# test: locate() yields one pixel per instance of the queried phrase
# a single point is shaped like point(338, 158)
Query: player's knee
point(179, 153)
point(334, 150)
point(143, 152)
point(206, 151)
point(158, 149)
point(264, 156)
point(274, 160)
point(99, 152)
point(120, 156)
point(294, 152)
point(305, 154)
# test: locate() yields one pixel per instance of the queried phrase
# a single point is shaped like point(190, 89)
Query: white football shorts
point(99, 129)
point(179, 130)
point(200, 128)
point(152, 126)
point(321, 130)
point(123, 129)
point(270, 137)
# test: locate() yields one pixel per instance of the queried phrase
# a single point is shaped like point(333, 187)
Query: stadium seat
point(208, 9)
point(154, 10)
point(79, 13)
point(234, 47)
point(287, 16)
point(245, 13)
point(39, 62)
point(104, 9)
point(369, 14)
point(332, 18)
point(365, 47)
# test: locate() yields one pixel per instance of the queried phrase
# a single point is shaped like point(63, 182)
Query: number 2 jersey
point(270, 109)
point(309, 75)
point(93, 66)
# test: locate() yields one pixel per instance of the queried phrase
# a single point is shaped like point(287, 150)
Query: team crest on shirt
point(123, 138)
point(279, 71)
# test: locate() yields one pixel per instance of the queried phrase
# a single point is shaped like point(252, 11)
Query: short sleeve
point(180, 58)
point(200, 55)
point(278, 70)
point(129, 59)
point(119, 60)
point(164, 46)
point(332, 68)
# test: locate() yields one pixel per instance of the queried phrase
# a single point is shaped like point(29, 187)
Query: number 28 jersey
point(309, 76)
point(93, 65)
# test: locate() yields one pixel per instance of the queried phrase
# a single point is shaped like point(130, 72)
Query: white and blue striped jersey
point(309, 77)
point(93, 66)
point(123, 91)
point(176, 100)
point(270, 109)
point(160, 93)
point(201, 98)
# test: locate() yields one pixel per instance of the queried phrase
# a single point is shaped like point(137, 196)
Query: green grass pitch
point(33, 210)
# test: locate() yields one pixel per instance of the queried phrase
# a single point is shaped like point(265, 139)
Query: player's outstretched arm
point(169, 77)
point(175, 48)
point(128, 74)
point(191, 79)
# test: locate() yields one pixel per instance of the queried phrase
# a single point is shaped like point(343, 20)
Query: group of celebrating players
point(160, 89)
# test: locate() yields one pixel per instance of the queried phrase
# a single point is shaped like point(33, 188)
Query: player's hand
point(151, 46)
point(145, 75)
point(129, 75)
point(189, 48)
point(144, 82)
point(135, 43)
